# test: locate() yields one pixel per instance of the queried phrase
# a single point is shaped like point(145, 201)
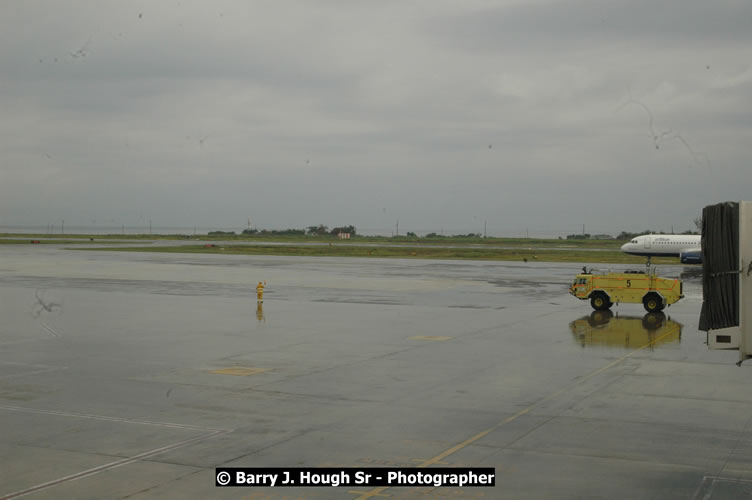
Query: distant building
point(343, 236)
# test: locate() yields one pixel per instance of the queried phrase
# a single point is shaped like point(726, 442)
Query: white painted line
point(109, 419)
point(35, 372)
point(708, 483)
point(20, 363)
point(21, 341)
point(49, 330)
point(109, 466)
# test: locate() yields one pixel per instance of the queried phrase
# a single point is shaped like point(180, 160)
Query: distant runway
point(156, 368)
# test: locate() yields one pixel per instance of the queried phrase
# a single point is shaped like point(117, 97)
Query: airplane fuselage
point(685, 246)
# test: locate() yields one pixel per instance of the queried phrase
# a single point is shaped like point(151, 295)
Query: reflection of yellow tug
point(604, 329)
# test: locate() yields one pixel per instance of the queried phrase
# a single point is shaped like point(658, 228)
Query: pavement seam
point(108, 418)
point(109, 466)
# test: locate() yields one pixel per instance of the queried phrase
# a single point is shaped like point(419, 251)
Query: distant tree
point(250, 231)
point(318, 230)
point(698, 224)
point(221, 233)
point(282, 232)
point(410, 234)
point(624, 235)
point(343, 229)
point(585, 236)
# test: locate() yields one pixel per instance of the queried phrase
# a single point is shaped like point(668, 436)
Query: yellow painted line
point(387, 463)
point(431, 461)
point(421, 460)
point(240, 371)
point(435, 338)
point(369, 494)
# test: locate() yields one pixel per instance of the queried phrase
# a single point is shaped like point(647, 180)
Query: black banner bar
point(276, 477)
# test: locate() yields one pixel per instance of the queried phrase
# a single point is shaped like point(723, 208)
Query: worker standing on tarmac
point(260, 292)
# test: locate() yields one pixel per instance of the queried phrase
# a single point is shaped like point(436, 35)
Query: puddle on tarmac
point(605, 329)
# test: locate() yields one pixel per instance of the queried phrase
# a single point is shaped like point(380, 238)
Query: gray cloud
point(297, 113)
point(581, 24)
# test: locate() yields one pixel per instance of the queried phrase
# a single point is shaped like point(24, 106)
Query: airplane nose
point(624, 247)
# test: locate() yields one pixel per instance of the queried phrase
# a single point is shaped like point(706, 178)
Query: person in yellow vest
point(260, 292)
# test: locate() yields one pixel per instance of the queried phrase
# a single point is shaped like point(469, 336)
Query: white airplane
point(685, 246)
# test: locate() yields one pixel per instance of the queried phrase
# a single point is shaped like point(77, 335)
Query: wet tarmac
point(134, 375)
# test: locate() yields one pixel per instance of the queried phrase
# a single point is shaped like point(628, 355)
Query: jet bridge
point(726, 313)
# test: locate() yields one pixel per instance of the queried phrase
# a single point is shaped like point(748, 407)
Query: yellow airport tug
point(605, 290)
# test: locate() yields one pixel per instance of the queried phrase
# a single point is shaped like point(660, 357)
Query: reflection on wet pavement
point(604, 329)
point(691, 273)
point(351, 362)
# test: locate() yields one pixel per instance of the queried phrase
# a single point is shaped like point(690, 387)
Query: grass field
point(55, 241)
point(524, 242)
point(518, 249)
point(415, 252)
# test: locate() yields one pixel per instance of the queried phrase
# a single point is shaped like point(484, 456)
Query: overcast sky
point(527, 114)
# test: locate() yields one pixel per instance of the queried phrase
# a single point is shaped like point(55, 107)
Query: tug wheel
point(652, 303)
point(600, 301)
